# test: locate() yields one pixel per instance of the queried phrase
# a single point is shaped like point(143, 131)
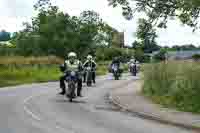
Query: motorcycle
point(116, 72)
point(88, 72)
point(133, 69)
point(71, 80)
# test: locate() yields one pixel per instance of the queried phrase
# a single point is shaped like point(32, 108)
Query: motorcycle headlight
point(72, 73)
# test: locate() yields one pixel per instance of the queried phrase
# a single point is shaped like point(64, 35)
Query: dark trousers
point(93, 77)
point(63, 86)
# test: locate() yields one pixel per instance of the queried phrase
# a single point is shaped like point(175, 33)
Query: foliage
point(136, 45)
point(21, 70)
point(4, 35)
point(139, 55)
point(196, 57)
point(53, 32)
point(12, 75)
point(183, 47)
point(174, 84)
point(108, 53)
point(7, 51)
point(159, 11)
point(161, 55)
point(147, 35)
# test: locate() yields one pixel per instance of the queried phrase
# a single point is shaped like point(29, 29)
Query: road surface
point(37, 108)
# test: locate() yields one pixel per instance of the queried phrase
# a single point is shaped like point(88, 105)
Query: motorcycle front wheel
point(89, 79)
point(116, 76)
point(71, 89)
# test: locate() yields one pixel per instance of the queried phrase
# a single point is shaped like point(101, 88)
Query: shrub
point(196, 57)
point(161, 56)
point(106, 53)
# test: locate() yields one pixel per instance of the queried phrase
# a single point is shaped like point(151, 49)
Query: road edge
point(115, 100)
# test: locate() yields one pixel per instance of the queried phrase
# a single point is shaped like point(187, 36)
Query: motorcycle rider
point(135, 64)
point(116, 61)
point(90, 62)
point(72, 64)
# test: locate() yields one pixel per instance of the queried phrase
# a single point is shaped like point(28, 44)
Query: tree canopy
point(159, 11)
point(53, 32)
point(146, 35)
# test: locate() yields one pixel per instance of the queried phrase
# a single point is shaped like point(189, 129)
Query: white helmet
point(71, 54)
point(89, 57)
point(132, 60)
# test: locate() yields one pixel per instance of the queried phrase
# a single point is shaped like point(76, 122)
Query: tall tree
point(53, 32)
point(147, 35)
point(159, 11)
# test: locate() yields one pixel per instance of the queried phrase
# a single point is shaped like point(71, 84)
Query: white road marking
point(28, 111)
point(36, 117)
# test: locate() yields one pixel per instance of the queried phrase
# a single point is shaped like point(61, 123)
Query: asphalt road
point(37, 108)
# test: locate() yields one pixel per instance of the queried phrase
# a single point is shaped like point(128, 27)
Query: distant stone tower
point(118, 39)
point(121, 37)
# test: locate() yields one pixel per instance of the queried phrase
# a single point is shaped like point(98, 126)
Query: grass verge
point(174, 85)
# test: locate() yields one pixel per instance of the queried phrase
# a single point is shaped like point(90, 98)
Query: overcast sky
point(14, 12)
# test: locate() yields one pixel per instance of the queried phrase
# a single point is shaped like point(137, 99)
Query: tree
point(136, 45)
point(139, 55)
point(4, 35)
point(159, 11)
point(53, 32)
point(184, 47)
point(147, 35)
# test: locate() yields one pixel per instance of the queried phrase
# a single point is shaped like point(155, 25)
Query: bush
point(141, 57)
point(174, 84)
point(106, 53)
point(161, 56)
point(196, 57)
point(7, 51)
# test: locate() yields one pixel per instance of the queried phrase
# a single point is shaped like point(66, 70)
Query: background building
point(118, 39)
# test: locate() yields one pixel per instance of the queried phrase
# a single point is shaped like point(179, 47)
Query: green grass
point(102, 67)
point(102, 70)
point(23, 70)
point(13, 75)
point(174, 85)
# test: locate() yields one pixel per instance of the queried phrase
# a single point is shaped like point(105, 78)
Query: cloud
point(12, 24)
point(178, 34)
point(16, 8)
point(14, 12)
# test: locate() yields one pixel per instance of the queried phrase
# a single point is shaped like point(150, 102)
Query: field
point(22, 70)
point(174, 84)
